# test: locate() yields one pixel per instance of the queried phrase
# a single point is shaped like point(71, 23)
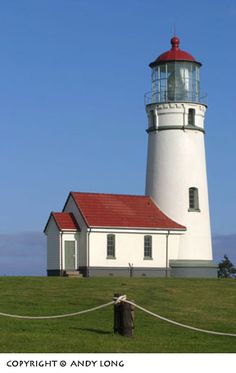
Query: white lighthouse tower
point(176, 176)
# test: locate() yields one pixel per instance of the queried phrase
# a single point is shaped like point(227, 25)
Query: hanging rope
point(177, 323)
point(57, 316)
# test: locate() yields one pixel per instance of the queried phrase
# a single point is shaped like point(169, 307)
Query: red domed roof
point(174, 54)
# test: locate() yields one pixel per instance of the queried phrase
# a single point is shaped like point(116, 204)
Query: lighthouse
point(176, 176)
point(165, 232)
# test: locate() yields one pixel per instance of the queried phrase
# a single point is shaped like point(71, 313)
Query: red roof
point(174, 54)
point(65, 221)
point(119, 210)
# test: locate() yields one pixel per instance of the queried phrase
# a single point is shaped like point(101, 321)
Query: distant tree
point(225, 268)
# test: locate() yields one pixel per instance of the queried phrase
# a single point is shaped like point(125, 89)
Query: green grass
point(203, 303)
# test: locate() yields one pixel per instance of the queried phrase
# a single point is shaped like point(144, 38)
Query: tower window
point(191, 117)
point(147, 247)
point(111, 245)
point(193, 199)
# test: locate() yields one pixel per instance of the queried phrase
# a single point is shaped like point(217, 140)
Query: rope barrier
point(57, 316)
point(177, 323)
point(117, 300)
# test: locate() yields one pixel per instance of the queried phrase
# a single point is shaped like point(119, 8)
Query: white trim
point(70, 236)
point(69, 230)
point(140, 231)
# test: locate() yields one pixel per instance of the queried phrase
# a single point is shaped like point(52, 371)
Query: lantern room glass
point(176, 81)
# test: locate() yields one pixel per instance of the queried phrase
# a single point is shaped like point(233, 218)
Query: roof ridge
point(113, 194)
point(61, 212)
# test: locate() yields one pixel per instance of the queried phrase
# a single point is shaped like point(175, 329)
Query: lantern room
point(175, 77)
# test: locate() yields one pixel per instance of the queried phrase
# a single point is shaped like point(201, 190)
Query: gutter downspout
point(167, 253)
point(61, 255)
point(88, 251)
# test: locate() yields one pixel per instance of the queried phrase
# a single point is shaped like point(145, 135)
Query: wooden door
point(69, 255)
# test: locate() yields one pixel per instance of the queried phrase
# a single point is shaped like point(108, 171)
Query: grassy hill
point(203, 303)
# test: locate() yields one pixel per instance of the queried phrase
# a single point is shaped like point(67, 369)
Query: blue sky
point(72, 81)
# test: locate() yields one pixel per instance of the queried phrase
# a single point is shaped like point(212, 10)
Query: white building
point(111, 234)
point(123, 235)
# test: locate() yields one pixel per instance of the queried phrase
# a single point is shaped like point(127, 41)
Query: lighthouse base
point(193, 268)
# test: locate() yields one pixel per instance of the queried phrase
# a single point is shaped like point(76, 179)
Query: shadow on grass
point(97, 331)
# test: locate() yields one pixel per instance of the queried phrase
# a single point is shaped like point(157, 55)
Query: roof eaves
point(182, 228)
point(51, 216)
point(84, 217)
point(44, 231)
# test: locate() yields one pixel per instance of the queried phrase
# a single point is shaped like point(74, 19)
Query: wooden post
point(117, 315)
point(123, 318)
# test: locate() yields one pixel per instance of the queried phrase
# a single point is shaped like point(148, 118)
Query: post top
point(175, 42)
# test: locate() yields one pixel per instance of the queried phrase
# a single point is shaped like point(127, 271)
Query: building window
point(193, 199)
point(191, 117)
point(111, 245)
point(147, 247)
